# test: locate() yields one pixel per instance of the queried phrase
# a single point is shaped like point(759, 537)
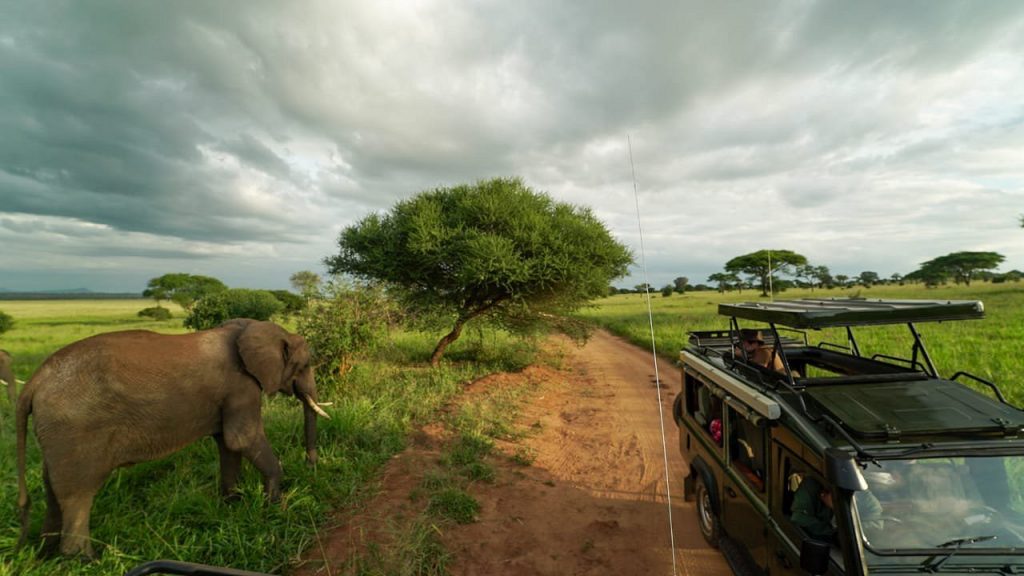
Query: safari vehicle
point(925, 473)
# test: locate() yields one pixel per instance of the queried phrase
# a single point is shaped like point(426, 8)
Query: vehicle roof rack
point(814, 313)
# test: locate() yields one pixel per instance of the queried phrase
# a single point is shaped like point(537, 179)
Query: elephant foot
point(232, 496)
point(51, 546)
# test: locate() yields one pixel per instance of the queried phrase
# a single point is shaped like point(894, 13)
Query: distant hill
point(67, 294)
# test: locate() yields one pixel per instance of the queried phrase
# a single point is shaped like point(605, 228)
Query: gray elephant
point(7, 379)
point(124, 397)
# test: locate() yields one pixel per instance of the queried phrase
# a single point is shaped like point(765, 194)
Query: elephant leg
point(262, 457)
point(74, 537)
point(230, 467)
point(53, 520)
point(74, 483)
point(243, 432)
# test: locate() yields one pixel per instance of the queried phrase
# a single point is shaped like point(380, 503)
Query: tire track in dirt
point(593, 501)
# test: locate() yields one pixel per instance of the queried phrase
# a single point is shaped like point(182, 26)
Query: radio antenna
point(654, 353)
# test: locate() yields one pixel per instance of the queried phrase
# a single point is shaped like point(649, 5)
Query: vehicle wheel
point(710, 527)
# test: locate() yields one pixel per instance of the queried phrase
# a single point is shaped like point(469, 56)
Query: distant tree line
point(779, 270)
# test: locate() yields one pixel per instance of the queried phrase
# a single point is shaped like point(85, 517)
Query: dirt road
point(594, 500)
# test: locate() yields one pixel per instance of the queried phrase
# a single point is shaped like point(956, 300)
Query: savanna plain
point(171, 509)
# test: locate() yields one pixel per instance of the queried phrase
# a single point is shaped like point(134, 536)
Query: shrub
point(6, 322)
point(293, 303)
point(343, 319)
point(156, 313)
point(217, 308)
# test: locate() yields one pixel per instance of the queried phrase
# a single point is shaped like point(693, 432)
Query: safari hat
point(749, 334)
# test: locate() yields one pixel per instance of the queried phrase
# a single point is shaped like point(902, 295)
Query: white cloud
point(146, 137)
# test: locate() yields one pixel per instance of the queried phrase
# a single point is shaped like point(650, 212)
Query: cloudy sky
point(236, 139)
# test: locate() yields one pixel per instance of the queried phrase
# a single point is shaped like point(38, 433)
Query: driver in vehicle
point(812, 510)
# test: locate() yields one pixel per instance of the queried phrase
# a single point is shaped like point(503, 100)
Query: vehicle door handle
point(730, 492)
point(783, 559)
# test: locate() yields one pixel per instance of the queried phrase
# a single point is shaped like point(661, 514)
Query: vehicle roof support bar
point(853, 341)
point(919, 346)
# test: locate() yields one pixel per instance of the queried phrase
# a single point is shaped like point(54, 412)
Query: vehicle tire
point(707, 517)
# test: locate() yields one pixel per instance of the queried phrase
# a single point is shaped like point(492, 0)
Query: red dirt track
point(594, 500)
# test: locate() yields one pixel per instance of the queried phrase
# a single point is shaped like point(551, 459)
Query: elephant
point(7, 378)
point(119, 398)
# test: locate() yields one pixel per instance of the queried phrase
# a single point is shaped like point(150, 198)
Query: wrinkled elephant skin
point(124, 397)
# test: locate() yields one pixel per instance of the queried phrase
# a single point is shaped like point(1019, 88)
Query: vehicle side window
point(747, 449)
point(705, 408)
point(794, 471)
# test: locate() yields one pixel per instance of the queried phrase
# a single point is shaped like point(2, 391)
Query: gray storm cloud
point(237, 139)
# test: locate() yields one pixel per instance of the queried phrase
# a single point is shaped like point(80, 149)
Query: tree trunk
point(448, 338)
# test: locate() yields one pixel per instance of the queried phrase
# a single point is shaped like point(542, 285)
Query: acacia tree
point(868, 278)
point(962, 265)
point(182, 289)
point(495, 249)
point(305, 281)
point(764, 264)
point(725, 280)
point(680, 284)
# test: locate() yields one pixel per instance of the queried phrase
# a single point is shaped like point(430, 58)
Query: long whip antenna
point(654, 353)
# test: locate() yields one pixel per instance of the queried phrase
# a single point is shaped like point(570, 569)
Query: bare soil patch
point(594, 500)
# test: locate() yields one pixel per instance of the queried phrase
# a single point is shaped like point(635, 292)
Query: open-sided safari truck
point(841, 463)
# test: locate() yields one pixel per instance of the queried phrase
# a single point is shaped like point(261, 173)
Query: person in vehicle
point(753, 349)
point(812, 510)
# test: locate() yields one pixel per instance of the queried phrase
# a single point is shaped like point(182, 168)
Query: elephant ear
point(263, 349)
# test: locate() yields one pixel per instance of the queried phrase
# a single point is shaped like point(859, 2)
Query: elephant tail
point(21, 424)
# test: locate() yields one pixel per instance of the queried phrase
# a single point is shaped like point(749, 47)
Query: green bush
point(156, 313)
point(215, 309)
point(293, 303)
point(344, 319)
point(6, 322)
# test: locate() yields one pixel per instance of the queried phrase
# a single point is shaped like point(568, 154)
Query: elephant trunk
point(310, 425)
point(305, 392)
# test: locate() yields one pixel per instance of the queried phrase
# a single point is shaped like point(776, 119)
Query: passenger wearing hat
point(753, 349)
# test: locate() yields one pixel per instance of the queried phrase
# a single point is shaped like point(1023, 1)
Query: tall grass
point(988, 348)
point(170, 508)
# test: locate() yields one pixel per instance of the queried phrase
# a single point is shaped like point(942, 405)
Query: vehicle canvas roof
point(827, 312)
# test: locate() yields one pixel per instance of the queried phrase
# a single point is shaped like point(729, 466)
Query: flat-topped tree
point(495, 249)
point(765, 263)
point(182, 289)
point(962, 266)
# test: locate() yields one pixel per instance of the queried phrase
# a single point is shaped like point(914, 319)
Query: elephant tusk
point(316, 408)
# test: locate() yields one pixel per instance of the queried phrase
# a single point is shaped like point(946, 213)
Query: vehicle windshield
point(929, 503)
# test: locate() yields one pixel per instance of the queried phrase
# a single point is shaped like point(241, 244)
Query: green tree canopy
point(493, 249)
point(868, 278)
point(961, 266)
point(764, 264)
point(305, 281)
point(219, 307)
point(681, 283)
point(182, 289)
point(725, 280)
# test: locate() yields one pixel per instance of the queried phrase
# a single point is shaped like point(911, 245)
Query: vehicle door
point(744, 502)
point(785, 539)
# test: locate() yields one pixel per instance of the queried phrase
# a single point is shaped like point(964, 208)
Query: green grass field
point(989, 348)
point(170, 508)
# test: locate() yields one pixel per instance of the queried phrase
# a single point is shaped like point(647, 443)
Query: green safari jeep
point(821, 459)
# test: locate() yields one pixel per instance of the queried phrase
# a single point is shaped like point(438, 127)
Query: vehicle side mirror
point(814, 556)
